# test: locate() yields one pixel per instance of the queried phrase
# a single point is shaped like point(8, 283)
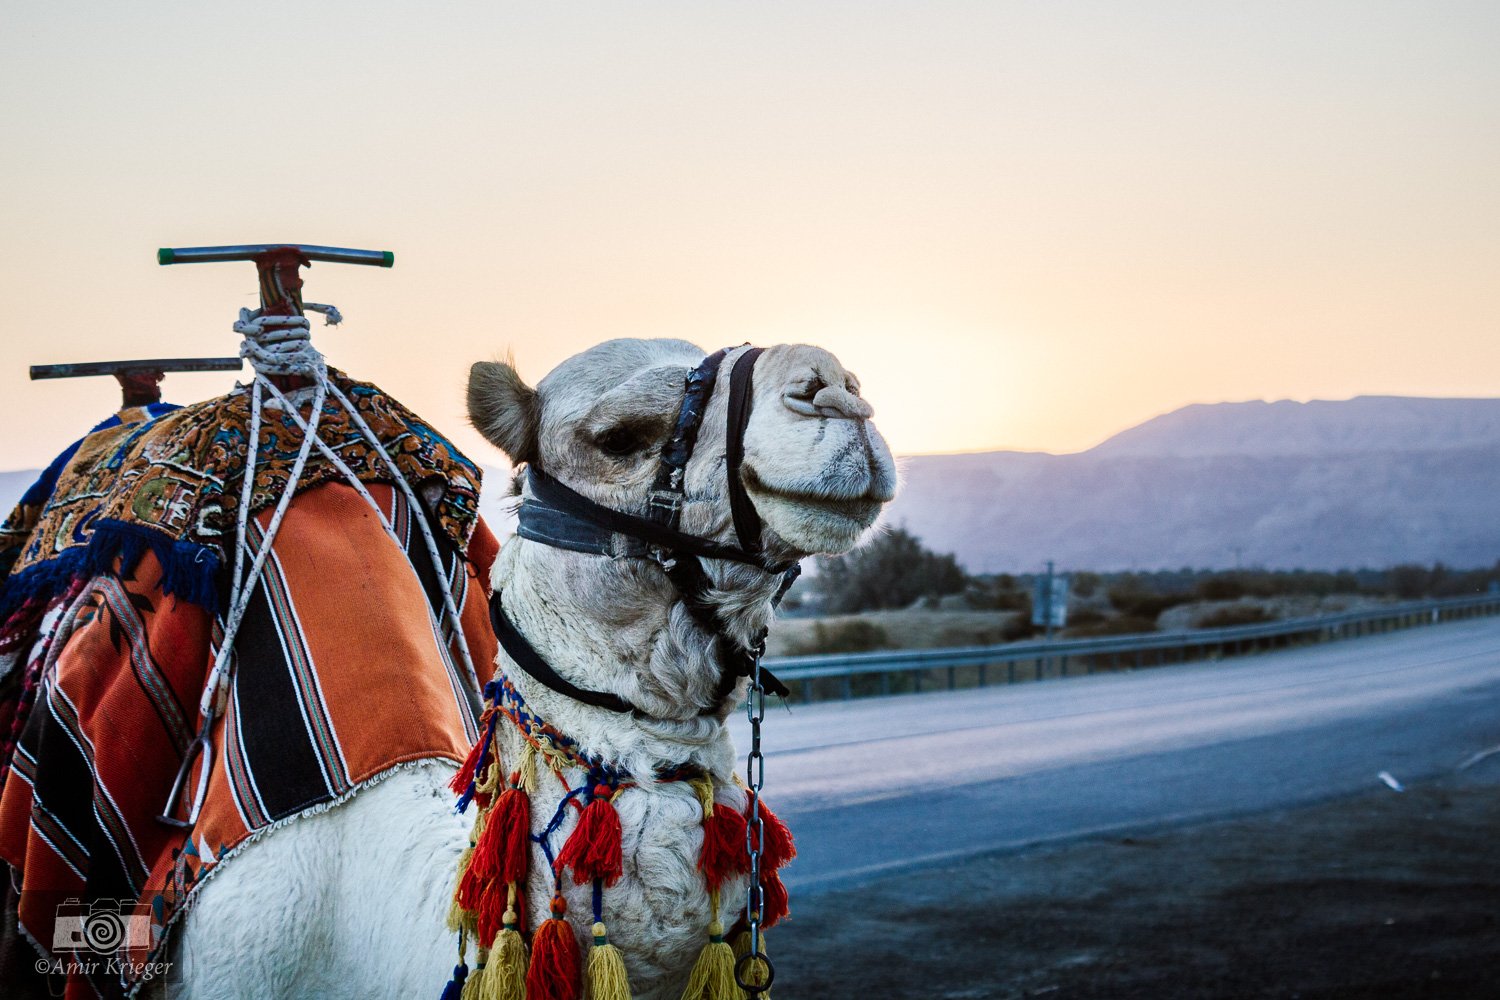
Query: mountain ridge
point(1370, 481)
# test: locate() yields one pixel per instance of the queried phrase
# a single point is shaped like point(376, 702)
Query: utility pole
point(1047, 602)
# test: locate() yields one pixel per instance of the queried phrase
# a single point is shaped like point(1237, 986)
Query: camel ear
point(504, 409)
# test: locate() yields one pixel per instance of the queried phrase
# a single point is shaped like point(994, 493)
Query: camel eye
point(620, 441)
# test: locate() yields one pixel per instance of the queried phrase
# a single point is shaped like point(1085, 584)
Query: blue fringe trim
point(42, 580)
point(190, 572)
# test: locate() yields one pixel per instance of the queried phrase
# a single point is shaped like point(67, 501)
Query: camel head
point(815, 467)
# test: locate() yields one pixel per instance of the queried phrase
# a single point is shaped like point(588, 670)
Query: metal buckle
point(668, 502)
point(202, 746)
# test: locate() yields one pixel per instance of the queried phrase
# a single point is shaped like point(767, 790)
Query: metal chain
point(755, 776)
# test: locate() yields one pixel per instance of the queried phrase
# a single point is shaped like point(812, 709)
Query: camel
point(818, 475)
point(355, 900)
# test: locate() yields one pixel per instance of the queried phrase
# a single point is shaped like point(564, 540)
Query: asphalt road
point(880, 785)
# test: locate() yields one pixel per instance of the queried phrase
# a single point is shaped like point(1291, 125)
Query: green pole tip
point(387, 259)
point(166, 256)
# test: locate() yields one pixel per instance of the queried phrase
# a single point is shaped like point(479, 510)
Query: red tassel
point(460, 781)
point(723, 846)
point(501, 853)
point(556, 971)
point(778, 848)
point(775, 899)
point(471, 889)
point(470, 768)
point(494, 907)
point(491, 911)
point(593, 849)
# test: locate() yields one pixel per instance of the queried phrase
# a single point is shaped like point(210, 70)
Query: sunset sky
point(1024, 225)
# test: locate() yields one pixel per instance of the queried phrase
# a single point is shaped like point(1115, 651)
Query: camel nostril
point(807, 390)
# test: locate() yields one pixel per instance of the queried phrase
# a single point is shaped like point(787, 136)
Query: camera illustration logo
point(105, 927)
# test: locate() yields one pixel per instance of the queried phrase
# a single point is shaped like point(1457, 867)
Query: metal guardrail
point(1024, 661)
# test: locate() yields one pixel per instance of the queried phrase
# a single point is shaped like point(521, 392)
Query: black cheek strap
point(528, 659)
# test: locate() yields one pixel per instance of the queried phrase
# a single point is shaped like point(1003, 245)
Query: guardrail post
point(847, 687)
point(807, 689)
point(952, 678)
point(885, 682)
point(984, 670)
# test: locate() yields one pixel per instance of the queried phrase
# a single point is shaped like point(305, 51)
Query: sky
point(1023, 225)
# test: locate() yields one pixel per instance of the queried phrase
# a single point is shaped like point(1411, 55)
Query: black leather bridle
point(557, 515)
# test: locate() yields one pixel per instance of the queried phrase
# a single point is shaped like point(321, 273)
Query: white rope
point(432, 549)
point(279, 345)
point(216, 689)
point(449, 628)
point(282, 345)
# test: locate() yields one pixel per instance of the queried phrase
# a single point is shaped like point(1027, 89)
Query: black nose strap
point(747, 526)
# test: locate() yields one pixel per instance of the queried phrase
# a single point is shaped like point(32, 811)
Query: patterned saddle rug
point(342, 671)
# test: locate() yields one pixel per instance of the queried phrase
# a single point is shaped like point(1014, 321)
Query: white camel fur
point(351, 902)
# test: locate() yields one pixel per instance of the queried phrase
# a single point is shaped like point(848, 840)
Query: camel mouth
point(861, 510)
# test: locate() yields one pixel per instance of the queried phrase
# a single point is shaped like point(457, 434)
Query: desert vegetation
point(897, 594)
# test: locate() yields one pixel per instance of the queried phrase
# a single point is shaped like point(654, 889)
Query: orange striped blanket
point(340, 676)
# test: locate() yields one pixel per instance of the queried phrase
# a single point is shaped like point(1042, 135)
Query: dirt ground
point(1389, 895)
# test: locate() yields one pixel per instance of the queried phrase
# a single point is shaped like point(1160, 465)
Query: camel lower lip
point(861, 510)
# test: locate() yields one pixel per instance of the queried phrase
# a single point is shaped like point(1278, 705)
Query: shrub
point(1084, 618)
point(1085, 584)
point(852, 636)
point(1220, 587)
point(1139, 603)
point(1120, 625)
point(891, 572)
point(1235, 614)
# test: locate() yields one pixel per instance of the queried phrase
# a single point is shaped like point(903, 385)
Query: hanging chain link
point(753, 982)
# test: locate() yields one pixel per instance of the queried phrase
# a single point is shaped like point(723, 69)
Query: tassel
point(606, 972)
point(495, 921)
point(723, 851)
point(713, 973)
point(470, 769)
point(506, 978)
point(754, 972)
point(775, 898)
point(593, 849)
point(455, 988)
point(528, 767)
point(461, 910)
point(554, 973)
point(474, 988)
point(466, 891)
point(779, 847)
point(500, 855)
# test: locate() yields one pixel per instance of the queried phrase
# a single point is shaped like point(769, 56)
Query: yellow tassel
point(713, 973)
point(459, 919)
point(505, 977)
point(606, 978)
point(474, 984)
point(528, 767)
point(704, 789)
point(755, 972)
